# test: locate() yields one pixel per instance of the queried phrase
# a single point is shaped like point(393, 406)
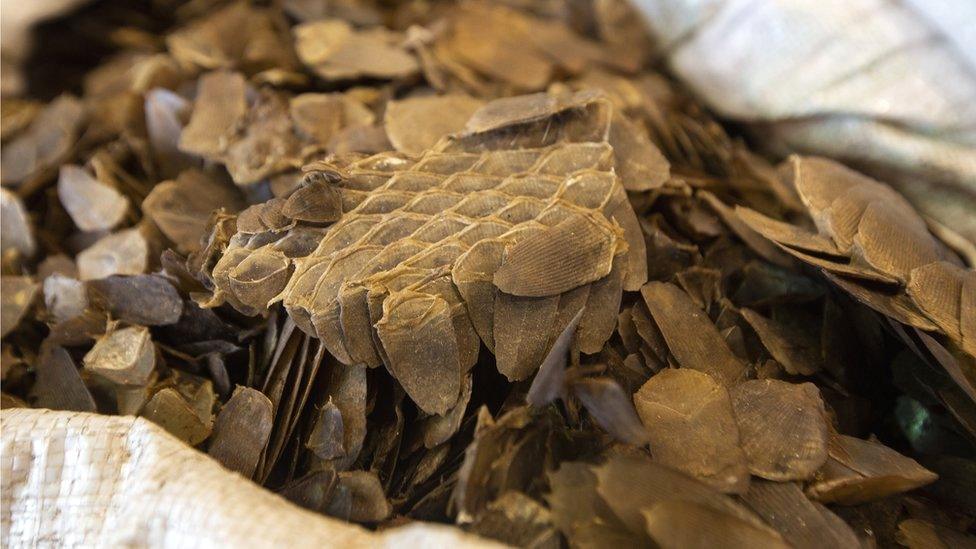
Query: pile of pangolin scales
point(478, 263)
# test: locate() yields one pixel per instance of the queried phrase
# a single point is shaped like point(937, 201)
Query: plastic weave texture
point(82, 480)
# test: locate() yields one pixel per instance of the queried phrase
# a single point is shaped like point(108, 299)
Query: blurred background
point(887, 86)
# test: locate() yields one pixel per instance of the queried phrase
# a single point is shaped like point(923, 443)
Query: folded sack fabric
point(886, 86)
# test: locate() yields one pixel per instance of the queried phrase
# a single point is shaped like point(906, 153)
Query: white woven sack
point(888, 86)
point(83, 480)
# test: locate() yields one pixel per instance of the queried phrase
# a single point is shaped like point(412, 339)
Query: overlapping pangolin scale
point(406, 276)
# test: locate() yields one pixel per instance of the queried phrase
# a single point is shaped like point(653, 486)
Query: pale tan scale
point(465, 242)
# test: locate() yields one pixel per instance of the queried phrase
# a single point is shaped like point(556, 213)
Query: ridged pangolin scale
point(499, 234)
